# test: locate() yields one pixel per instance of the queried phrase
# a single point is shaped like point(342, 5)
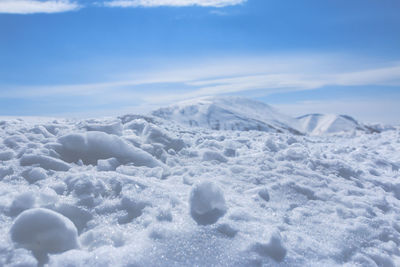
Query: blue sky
point(74, 58)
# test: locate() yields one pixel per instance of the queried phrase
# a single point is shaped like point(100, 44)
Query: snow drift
point(93, 146)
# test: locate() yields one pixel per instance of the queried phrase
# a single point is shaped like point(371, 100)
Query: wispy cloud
point(176, 3)
point(283, 81)
point(35, 6)
point(223, 76)
point(58, 6)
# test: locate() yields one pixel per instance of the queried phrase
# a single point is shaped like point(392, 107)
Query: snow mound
point(5, 171)
point(207, 203)
point(93, 146)
point(6, 155)
point(319, 124)
point(107, 164)
point(274, 248)
point(77, 215)
point(21, 202)
point(263, 193)
point(44, 231)
point(213, 155)
point(47, 163)
point(154, 134)
point(229, 113)
point(35, 174)
point(136, 125)
point(109, 128)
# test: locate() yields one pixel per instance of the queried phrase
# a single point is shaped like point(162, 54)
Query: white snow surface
point(131, 191)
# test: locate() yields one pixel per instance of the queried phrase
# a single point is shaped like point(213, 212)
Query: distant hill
point(319, 124)
point(229, 113)
point(243, 114)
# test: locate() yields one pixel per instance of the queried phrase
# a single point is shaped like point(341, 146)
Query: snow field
point(143, 191)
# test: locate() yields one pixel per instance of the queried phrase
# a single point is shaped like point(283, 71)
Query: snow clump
point(44, 231)
point(92, 146)
point(274, 248)
point(207, 203)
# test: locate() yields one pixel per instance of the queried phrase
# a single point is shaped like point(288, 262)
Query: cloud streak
point(58, 6)
point(284, 82)
point(34, 6)
point(267, 75)
point(174, 3)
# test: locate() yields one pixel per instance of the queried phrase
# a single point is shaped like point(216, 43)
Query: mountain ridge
point(244, 114)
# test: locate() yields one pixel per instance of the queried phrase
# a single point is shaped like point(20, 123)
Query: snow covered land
point(208, 182)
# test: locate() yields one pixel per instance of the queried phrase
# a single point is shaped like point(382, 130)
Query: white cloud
point(57, 6)
point(177, 3)
point(281, 80)
point(380, 76)
point(35, 6)
point(224, 76)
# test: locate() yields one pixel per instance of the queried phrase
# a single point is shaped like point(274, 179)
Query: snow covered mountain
point(319, 124)
point(243, 114)
point(229, 113)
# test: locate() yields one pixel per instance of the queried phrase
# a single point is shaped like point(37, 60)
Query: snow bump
point(44, 231)
point(47, 163)
point(207, 203)
point(273, 249)
point(93, 146)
